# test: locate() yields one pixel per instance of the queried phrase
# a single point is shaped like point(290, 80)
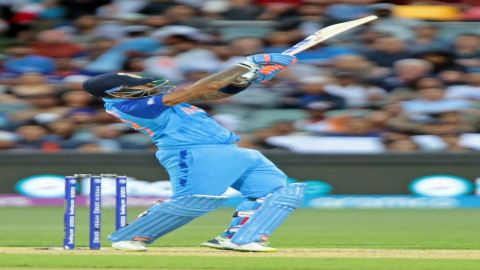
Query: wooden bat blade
point(326, 33)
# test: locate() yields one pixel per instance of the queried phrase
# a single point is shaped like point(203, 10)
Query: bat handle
point(289, 52)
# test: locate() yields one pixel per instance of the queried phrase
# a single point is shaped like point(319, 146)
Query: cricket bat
point(326, 33)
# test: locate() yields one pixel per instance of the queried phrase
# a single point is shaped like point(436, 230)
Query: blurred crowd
point(409, 81)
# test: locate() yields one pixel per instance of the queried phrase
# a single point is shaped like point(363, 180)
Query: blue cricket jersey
point(170, 126)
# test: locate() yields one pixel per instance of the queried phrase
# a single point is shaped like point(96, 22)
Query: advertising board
point(334, 181)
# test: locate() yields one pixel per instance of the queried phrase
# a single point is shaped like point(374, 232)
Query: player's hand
point(272, 59)
point(269, 64)
point(259, 74)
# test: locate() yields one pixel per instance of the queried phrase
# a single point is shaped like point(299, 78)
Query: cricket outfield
point(310, 239)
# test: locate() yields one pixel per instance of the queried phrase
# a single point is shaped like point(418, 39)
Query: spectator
point(97, 48)
point(65, 67)
point(121, 9)
point(405, 73)
point(8, 141)
point(357, 126)
point(355, 64)
point(452, 77)
point(77, 99)
point(407, 93)
point(396, 84)
point(468, 91)
point(85, 27)
point(76, 8)
point(63, 132)
point(52, 10)
point(84, 118)
point(32, 84)
point(467, 51)
point(433, 100)
point(453, 143)
point(242, 10)
point(115, 57)
point(388, 50)
point(21, 59)
point(391, 24)
point(106, 137)
point(311, 90)
point(317, 120)
point(440, 60)
point(348, 11)
point(311, 17)
point(404, 145)
point(427, 39)
point(184, 15)
point(356, 94)
point(259, 137)
point(438, 124)
point(39, 103)
point(134, 65)
point(56, 44)
point(72, 82)
point(156, 21)
point(279, 41)
point(31, 137)
point(156, 7)
point(91, 148)
point(286, 15)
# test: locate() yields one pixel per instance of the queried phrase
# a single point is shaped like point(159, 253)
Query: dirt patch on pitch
point(287, 252)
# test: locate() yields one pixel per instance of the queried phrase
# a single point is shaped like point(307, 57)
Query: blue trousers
point(211, 169)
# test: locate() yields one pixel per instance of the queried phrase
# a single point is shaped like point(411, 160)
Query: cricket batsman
point(201, 156)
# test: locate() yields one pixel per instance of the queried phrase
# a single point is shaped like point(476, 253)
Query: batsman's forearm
point(217, 81)
point(205, 86)
point(227, 91)
point(212, 96)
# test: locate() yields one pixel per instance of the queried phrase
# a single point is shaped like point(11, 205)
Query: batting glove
point(263, 67)
point(267, 73)
point(272, 59)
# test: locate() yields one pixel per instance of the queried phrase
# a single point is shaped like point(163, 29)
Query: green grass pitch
point(310, 239)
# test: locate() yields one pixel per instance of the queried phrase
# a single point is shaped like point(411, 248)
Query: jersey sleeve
point(148, 107)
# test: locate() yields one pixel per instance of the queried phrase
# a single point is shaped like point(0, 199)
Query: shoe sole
point(129, 250)
point(251, 250)
point(211, 245)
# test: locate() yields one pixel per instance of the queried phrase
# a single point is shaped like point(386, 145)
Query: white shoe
point(226, 244)
point(256, 247)
point(130, 245)
point(219, 243)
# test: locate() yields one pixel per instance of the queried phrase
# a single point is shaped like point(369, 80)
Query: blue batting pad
point(166, 217)
point(274, 210)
